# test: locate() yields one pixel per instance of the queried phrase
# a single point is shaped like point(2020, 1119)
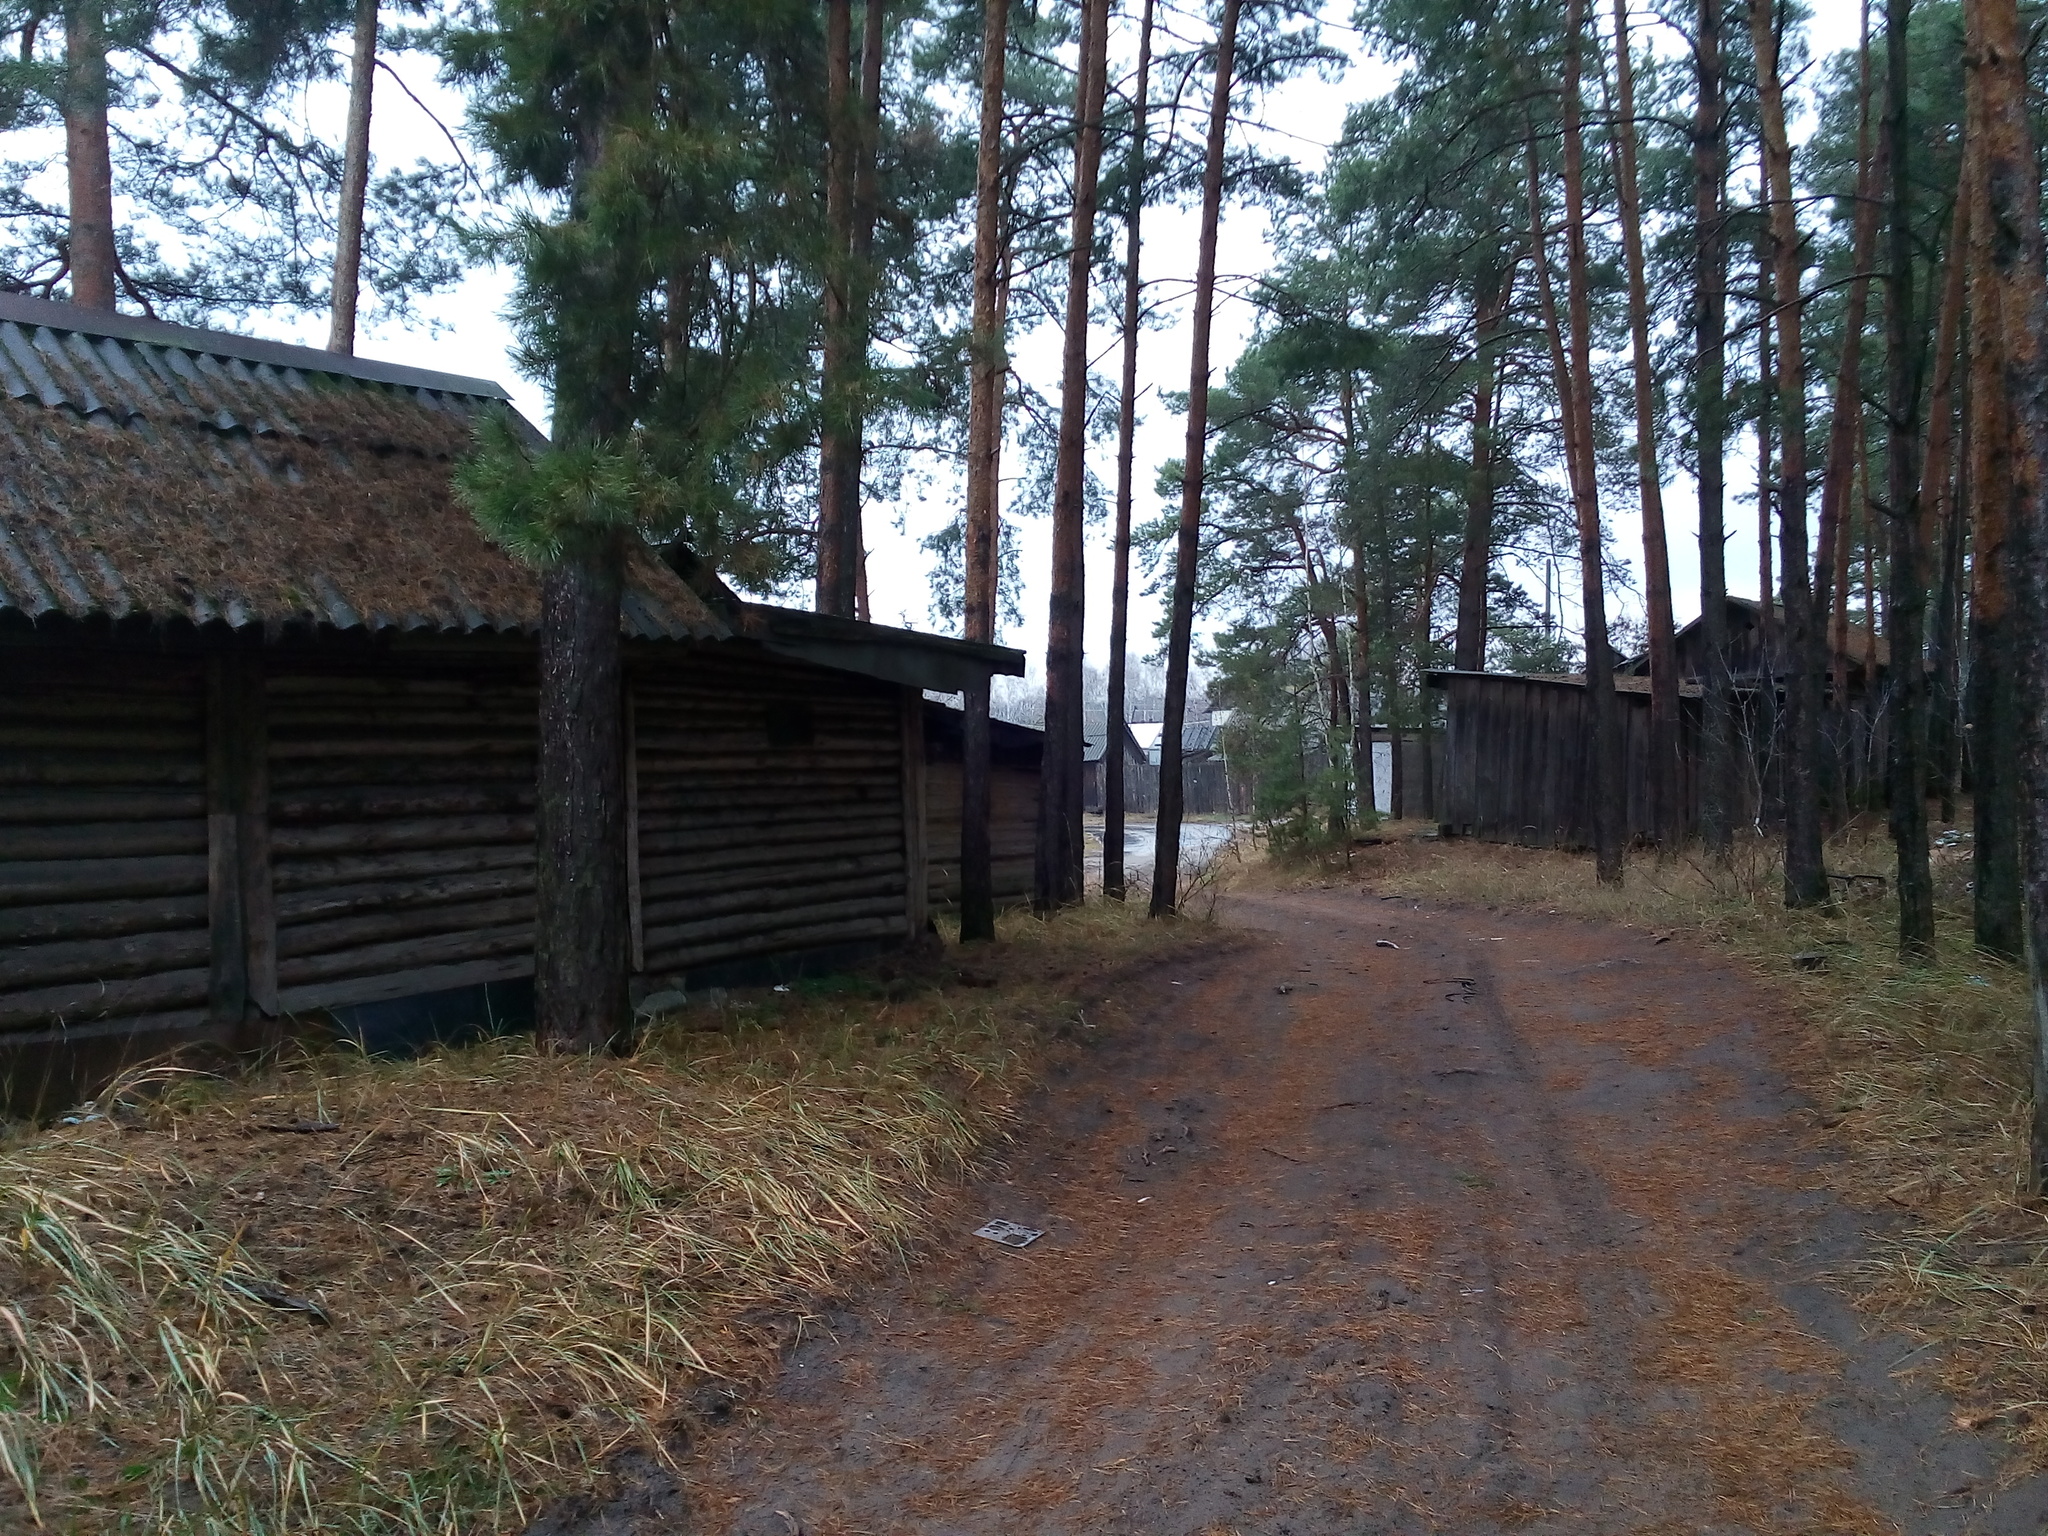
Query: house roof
point(1857, 643)
point(1197, 737)
point(159, 472)
point(1009, 744)
point(1623, 682)
point(1095, 738)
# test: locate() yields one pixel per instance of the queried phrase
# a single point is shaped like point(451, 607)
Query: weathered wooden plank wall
point(1518, 767)
point(771, 808)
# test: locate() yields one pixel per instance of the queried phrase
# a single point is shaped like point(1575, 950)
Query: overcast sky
point(1304, 117)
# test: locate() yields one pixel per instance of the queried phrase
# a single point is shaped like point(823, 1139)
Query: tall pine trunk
point(1845, 426)
point(1993, 696)
point(836, 578)
point(1997, 58)
point(1941, 511)
point(1361, 675)
point(582, 941)
point(1361, 614)
point(1572, 360)
point(1468, 649)
point(1667, 813)
point(1390, 698)
point(861, 286)
point(1060, 846)
point(1113, 880)
point(1710, 429)
point(1187, 547)
point(1572, 427)
point(984, 459)
point(1425, 607)
point(87, 160)
point(355, 184)
point(1806, 878)
point(1768, 757)
point(1902, 494)
point(582, 934)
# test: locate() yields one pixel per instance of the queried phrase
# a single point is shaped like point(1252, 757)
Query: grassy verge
point(350, 1295)
point(1920, 1077)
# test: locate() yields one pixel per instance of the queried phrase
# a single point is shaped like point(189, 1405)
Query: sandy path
point(1506, 1229)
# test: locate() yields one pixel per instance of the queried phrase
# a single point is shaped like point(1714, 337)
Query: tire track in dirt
point(1508, 1229)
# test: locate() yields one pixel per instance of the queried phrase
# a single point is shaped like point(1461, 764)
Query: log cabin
point(268, 719)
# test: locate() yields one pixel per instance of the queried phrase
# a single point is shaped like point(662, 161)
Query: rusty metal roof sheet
point(159, 471)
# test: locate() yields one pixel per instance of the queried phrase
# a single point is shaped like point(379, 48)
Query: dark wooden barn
point(1516, 768)
point(268, 719)
point(1516, 757)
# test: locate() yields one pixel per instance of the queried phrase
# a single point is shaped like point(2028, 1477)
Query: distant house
point(268, 718)
point(1098, 740)
point(1862, 662)
point(1207, 789)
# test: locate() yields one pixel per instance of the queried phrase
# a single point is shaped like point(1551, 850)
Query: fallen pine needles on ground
point(428, 1296)
point(1919, 1075)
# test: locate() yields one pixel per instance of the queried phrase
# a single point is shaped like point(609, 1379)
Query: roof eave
point(21, 309)
point(905, 656)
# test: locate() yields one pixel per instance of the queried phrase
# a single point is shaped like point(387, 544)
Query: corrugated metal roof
point(154, 470)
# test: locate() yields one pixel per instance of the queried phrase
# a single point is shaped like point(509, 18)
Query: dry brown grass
point(502, 1268)
point(1920, 1077)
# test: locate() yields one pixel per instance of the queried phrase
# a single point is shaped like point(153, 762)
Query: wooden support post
point(241, 915)
point(914, 813)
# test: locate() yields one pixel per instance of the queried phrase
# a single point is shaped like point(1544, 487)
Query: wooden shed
point(1517, 757)
point(268, 718)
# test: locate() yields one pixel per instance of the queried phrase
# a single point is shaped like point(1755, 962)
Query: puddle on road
point(1200, 841)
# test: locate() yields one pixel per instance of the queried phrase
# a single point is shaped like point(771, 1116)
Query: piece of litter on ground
point(1386, 944)
point(1283, 989)
point(1008, 1233)
point(1143, 1198)
point(1173, 983)
point(784, 987)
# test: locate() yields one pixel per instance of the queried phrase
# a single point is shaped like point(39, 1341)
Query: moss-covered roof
point(178, 474)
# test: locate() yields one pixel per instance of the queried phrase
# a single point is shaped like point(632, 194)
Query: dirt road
point(1511, 1227)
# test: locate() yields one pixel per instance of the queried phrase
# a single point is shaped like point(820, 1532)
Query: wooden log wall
point(194, 848)
point(771, 804)
point(1013, 831)
point(401, 830)
point(105, 952)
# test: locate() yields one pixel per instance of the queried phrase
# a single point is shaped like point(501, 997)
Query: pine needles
point(1919, 1077)
point(503, 1271)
